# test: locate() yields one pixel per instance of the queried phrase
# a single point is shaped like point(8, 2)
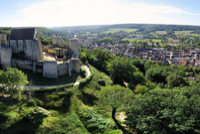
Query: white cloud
point(94, 12)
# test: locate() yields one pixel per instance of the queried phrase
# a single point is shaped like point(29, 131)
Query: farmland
point(153, 40)
point(115, 30)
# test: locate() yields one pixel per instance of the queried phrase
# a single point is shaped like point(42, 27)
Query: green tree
point(83, 57)
point(141, 90)
point(165, 111)
point(176, 81)
point(12, 80)
point(121, 70)
point(137, 78)
point(115, 97)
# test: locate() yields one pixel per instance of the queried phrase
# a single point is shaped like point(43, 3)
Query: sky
point(57, 13)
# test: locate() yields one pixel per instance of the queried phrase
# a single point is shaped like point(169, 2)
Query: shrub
point(37, 115)
point(86, 80)
point(31, 103)
point(50, 89)
point(83, 72)
point(141, 89)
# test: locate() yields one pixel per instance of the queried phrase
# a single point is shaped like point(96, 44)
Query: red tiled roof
point(182, 61)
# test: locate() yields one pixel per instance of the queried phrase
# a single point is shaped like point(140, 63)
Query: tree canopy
point(115, 96)
point(12, 79)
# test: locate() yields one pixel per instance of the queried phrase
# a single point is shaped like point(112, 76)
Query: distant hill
point(75, 28)
point(141, 27)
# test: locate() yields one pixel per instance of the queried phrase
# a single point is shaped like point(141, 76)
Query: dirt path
point(88, 74)
point(121, 116)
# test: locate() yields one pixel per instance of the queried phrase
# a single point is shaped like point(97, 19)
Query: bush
point(37, 115)
point(86, 80)
point(83, 72)
point(141, 89)
point(31, 103)
point(50, 89)
point(101, 82)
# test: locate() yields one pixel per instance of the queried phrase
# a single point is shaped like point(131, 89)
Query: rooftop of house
point(182, 61)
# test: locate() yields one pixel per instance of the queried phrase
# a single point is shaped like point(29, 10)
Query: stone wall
point(29, 51)
point(38, 50)
point(3, 39)
point(6, 54)
point(62, 69)
point(31, 48)
point(13, 45)
point(56, 40)
point(50, 69)
point(23, 64)
point(76, 66)
point(52, 51)
point(20, 46)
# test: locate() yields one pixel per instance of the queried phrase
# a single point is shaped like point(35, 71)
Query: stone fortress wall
point(28, 54)
point(50, 69)
point(30, 48)
point(3, 39)
point(6, 55)
point(65, 68)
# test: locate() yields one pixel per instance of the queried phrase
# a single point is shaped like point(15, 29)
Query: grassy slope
point(70, 111)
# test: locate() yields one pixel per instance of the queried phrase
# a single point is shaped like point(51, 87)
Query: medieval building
point(24, 50)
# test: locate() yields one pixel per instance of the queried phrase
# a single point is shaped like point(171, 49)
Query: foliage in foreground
point(166, 111)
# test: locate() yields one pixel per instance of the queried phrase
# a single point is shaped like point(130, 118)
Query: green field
point(161, 32)
point(115, 30)
point(182, 33)
point(154, 40)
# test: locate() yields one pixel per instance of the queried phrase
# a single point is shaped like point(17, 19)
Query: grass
point(132, 40)
point(185, 33)
point(182, 33)
point(161, 32)
point(154, 40)
point(45, 58)
point(61, 48)
point(116, 30)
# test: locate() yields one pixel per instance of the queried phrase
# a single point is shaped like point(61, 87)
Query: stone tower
point(73, 44)
point(56, 40)
point(3, 39)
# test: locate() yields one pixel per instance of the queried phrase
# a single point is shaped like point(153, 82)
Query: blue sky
point(51, 13)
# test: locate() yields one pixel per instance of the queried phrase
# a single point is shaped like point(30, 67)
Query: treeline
point(42, 31)
point(142, 27)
